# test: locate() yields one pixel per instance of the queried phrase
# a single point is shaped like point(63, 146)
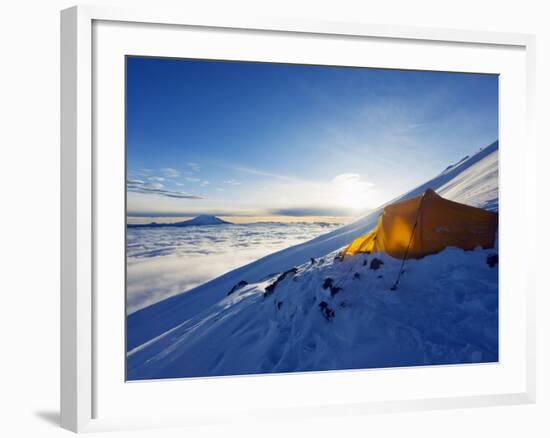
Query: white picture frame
point(84, 172)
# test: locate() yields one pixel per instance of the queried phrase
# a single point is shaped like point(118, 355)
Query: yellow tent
point(426, 225)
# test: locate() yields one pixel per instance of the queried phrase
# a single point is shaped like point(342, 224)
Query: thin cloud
point(312, 211)
point(264, 173)
point(143, 173)
point(156, 189)
point(351, 178)
point(192, 179)
point(194, 166)
point(169, 172)
point(232, 182)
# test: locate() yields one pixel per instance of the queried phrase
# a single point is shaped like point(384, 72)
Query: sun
point(351, 191)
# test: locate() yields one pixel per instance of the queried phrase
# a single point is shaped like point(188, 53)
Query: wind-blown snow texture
point(444, 311)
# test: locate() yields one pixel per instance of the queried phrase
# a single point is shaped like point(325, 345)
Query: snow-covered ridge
point(472, 181)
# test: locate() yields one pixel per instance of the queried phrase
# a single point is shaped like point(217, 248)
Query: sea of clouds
point(162, 262)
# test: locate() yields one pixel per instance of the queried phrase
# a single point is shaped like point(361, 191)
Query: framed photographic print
point(255, 209)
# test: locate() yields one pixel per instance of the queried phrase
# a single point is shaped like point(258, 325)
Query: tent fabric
point(425, 225)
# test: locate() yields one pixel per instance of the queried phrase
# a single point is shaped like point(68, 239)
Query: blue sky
point(235, 138)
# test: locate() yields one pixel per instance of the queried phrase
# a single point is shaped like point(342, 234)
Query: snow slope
point(338, 315)
point(206, 332)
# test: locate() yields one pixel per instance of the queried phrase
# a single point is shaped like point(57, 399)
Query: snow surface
point(444, 311)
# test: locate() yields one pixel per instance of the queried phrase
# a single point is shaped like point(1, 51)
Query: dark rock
point(271, 288)
point(237, 286)
point(365, 262)
point(356, 276)
point(327, 312)
point(492, 260)
point(328, 283)
point(279, 305)
point(375, 264)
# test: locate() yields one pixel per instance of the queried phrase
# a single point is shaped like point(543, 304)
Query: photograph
point(291, 218)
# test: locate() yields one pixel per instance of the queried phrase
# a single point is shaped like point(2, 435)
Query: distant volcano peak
point(203, 219)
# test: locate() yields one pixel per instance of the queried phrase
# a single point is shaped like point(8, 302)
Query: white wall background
point(29, 218)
